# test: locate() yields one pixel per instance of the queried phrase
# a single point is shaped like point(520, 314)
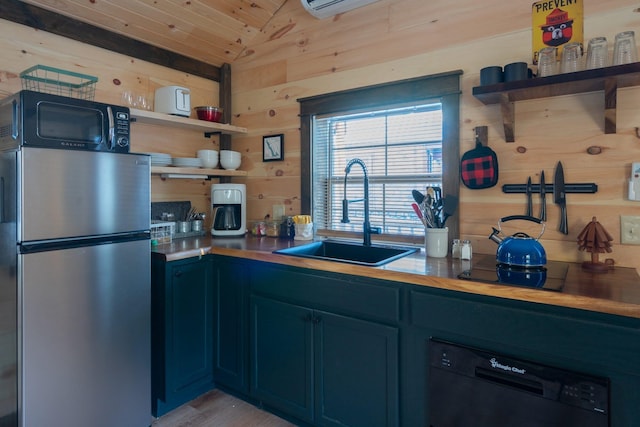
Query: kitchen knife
point(560, 198)
point(529, 202)
point(543, 201)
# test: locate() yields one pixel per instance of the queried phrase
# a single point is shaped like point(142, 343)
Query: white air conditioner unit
point(325, 8)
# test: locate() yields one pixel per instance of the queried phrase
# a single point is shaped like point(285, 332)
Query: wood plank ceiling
point(212, 31)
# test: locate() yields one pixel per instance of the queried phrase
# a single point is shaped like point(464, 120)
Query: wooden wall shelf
point(607, 79)
point(143, 116)
point(210, 173)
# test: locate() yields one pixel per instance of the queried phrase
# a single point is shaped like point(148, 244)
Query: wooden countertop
point(614, 292)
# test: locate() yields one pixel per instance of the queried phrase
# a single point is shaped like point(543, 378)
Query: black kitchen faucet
point(367, 229)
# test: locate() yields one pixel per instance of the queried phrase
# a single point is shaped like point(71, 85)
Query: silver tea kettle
point(520, 249)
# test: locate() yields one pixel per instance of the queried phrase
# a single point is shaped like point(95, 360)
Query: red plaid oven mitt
point(479, 167)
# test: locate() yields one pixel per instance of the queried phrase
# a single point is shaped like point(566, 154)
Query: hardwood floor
point(218, 409)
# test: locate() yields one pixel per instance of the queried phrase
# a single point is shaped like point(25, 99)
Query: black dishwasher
point(469, 387)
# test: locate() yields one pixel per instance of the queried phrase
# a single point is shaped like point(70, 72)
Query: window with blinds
point(402, 149)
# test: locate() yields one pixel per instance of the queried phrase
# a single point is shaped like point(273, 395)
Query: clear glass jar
point(272, 229)
point(259, 228)
point(456, 249)
point(466, 252)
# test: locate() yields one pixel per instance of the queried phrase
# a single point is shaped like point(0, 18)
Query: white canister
point(436, 242)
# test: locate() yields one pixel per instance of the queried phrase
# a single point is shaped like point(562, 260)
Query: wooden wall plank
point(54, 23)
point(214, 32)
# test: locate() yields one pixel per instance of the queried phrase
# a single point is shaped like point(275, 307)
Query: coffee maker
point(228, 209)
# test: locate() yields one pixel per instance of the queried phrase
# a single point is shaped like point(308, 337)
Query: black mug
point(491, 75)
point(516, 71)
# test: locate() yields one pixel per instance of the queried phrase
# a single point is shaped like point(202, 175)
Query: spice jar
point(456, 249)
point(259, 228)
point(272, 229)
point(465, 251)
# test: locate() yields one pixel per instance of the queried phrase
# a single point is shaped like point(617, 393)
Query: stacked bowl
point(230, 160)
point(209, 158)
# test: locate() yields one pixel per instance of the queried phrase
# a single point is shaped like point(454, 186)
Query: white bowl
point(230, 160)
point(209, 158)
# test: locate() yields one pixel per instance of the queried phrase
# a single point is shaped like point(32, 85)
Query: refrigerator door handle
point(16, 117)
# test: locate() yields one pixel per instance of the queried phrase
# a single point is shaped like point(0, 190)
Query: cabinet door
point(231, 331)
point(188, 333)
point(281, 356)
point(356, 372)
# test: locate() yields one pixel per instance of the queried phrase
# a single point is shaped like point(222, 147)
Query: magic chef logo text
point(558, 28)
point(497, 365)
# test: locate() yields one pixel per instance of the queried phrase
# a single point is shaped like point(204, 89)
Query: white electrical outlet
point(630, 230)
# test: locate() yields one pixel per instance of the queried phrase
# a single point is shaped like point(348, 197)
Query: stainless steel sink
point(352, 253)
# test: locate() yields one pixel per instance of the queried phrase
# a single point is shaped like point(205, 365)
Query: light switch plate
point(630, 230)
point(278, 212)
point(634, 182)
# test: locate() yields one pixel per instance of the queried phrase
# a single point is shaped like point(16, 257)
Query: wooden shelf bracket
point(508, 110)
point(610, 105)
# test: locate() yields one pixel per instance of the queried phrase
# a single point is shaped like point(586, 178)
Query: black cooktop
point(550, 277)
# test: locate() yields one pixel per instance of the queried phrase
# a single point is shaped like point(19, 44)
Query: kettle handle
point(524, 218)
point(521, 217)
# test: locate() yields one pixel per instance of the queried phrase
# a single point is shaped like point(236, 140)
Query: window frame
point(443, 88)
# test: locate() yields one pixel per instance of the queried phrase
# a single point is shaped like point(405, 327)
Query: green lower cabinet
point(281, 356)
point(182, 331)
point(356, 372)
point(322, 368)
point(231, 363)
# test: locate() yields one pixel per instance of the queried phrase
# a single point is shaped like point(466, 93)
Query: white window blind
point(402, 148)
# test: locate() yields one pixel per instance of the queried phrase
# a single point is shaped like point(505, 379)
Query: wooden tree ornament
point(595, 239)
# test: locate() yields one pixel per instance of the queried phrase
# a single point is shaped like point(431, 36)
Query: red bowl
point(210, 114)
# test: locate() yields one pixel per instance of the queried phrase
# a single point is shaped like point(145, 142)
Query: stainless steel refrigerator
point(74, 288)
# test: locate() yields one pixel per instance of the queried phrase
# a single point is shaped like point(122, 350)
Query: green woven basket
point(41, 78)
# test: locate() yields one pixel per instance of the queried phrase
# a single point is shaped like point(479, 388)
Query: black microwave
point(39, 119)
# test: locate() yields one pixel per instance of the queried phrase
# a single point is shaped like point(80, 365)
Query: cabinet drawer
point(339, 293)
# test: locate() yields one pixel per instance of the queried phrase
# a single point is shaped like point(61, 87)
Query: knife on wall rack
point(529, 210)
point(543, 200)
point(560, 197)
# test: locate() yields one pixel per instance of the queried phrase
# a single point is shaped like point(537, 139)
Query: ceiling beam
point(55, 23)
